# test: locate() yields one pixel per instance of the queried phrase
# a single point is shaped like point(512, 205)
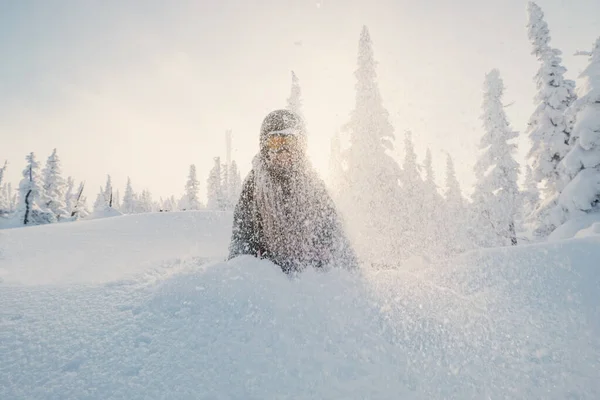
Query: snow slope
point(101, 250)
point(518, 323)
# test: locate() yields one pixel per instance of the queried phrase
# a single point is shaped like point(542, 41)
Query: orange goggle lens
point(281, 142)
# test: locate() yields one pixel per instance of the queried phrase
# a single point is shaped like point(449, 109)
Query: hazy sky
point(146, 88)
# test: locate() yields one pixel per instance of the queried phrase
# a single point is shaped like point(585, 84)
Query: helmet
point(282, 121)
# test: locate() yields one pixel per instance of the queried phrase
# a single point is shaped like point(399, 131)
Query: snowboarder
point(284, 212)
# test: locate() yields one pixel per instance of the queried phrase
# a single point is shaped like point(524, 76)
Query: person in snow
point(284, 212)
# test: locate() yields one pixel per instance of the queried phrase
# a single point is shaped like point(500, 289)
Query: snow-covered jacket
point(328, 244)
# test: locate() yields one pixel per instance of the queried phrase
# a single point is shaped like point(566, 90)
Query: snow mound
point(107, 213)
point(102, 250)
point(570, 228)
point(591, 231)
point(10, 221)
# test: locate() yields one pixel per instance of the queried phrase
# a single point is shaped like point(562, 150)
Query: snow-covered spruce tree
point(100, 204)
point(581, 166)
point(549, 126)
point(116, 204)
point(225, 186)
point(4, 200)
point(108, 192)
point(69, 196)
point(11, 197)
point(412, 182)
point(215, 195)
point(128, 206)
point(530, 194)
point(192, 187)
point(169, 204)
point(80, 209)
point(433, 205)
point(410, 205)
point(294, 102)
point(454, 222)
point(336, 169)
point(31, 210)
point(370, 186)
point(2, 172)
point(182, 203)
point(453, 194)
point(235, 184)
point(54, 185)
point(146, 204)
point(496, 193)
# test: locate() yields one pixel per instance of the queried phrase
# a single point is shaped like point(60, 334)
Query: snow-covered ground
point(107, 249)
point(144, 307)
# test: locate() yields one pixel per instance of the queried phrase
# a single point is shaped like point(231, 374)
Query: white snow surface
point(106, 213)
point(107, 249)
point(591, 231)
point(129, 307)
point(571, 228)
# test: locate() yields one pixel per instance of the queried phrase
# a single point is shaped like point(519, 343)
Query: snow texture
point(571, 228)
point(116, 315)
point(102, 250)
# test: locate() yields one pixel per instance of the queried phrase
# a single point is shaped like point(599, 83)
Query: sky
point(144, 89)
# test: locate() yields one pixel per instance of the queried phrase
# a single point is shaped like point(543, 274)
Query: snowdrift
point(510, 323)
point(101, 250)
point(571, 228)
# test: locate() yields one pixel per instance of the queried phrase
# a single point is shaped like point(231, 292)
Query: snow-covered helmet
point(282, 122)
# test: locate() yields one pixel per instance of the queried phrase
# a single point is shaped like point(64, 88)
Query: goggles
point(281, 140)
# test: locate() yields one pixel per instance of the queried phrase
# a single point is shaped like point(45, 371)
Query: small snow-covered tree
point(455, 238)
point(80, 209)
point(336, 166)
point(235, 184)
point(429, 184)
point(215, 189)
point(128, 206)
point(412, 183)
point(146, 204)
point(530, 194)
point(410, 204)
point(4, 200)
point(432, 214)
point(116, 204)
point(100, 204)
point(549, 126)
point(54, 185)
point(453, 194)
point(169, 204)
point(192, 188)
point(69, 196)
point(227, 203)
point(2, 172)
point(581, 166)
point(31, 212)
point(108, 192)
point(294, 102)
point(496, 191)
point(11, 197)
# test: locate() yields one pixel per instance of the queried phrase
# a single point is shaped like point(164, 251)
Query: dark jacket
point(247, 237)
